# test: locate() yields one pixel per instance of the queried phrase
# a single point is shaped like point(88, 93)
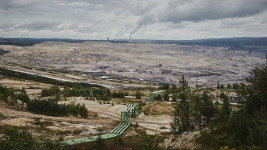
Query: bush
point(23, 140)
point(52, 108)
point(158, 97)
point(8, 95)
point(166, 96)
point(118, 94)
point(23, 96)
point(138, 94)
point(53, 90)
point(245, 128)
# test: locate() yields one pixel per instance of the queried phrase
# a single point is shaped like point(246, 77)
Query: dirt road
point(159, 123)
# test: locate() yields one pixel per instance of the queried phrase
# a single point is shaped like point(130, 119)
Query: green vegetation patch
point(20, 75)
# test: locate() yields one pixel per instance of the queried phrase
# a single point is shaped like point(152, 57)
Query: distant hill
point(33, 41)
point(206, 42)
point(258, 44)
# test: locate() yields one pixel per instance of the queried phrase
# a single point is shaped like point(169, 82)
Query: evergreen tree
point(57, 98)
point(164, 86)
point(174, 97)
point(218, 84)
point(174, 87)
point(138, 94)
point(23, 96)
point(182, 113)
point(83, 111)
point(196, 108)
point(158, 97)
point(247, 125)
point(226, 107)
point(166, 96)
point(207, 108)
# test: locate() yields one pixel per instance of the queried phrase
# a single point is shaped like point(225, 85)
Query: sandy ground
point(68, 125)
point(158, 123)
point(19, 84)
point(33, 89)
point(17, 118)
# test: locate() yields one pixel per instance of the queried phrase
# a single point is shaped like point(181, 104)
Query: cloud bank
point(150, 19)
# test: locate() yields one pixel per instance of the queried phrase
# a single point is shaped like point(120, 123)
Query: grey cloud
point(200, 10)
point(13, 4)
point(196, 10)
point(39, 25)
point(7, 26)
point(119, 18)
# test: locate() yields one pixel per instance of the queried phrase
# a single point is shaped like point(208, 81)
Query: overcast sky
point(143, 19)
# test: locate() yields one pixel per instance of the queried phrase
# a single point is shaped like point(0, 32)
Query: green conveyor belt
point(126, 114)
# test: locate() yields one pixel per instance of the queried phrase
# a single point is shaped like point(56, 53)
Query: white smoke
point(142, 22)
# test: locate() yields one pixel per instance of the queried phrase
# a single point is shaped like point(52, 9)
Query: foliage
point(150, 142)
point(181, 114)
point(158, 97)
point(23, 96)
point(23, 140)
point(207, 109)
point(166, 96)
point(118, 94)
point(138, 94)
point(196, 105)
point(226, 107)
point(100, 143)
point(53, 90)
point(98, 94)
point(141, 141)
point(41, 79)
point(192, 109)
point(164, 86)
point(174, 97)
point(52, 108)
point(8, 95)
point(70, 88)
point(245, 128)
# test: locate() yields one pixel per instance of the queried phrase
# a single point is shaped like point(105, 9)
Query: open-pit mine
point(138, 62)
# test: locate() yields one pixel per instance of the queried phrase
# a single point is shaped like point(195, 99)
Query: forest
point(240, 127)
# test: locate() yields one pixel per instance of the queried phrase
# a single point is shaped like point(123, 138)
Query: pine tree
point(196, 108)
point(138, 95)
point(166, 96)
point(207, 108)
point(174, 97)
point(83, 111)
point(226, 107)
point(23, 96)
point(182, 112)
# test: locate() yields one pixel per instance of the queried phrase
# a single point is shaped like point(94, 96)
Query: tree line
point(20, 75)
point(48, 107)
point(10, 97)
point(52, 108)
point(92, 93)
